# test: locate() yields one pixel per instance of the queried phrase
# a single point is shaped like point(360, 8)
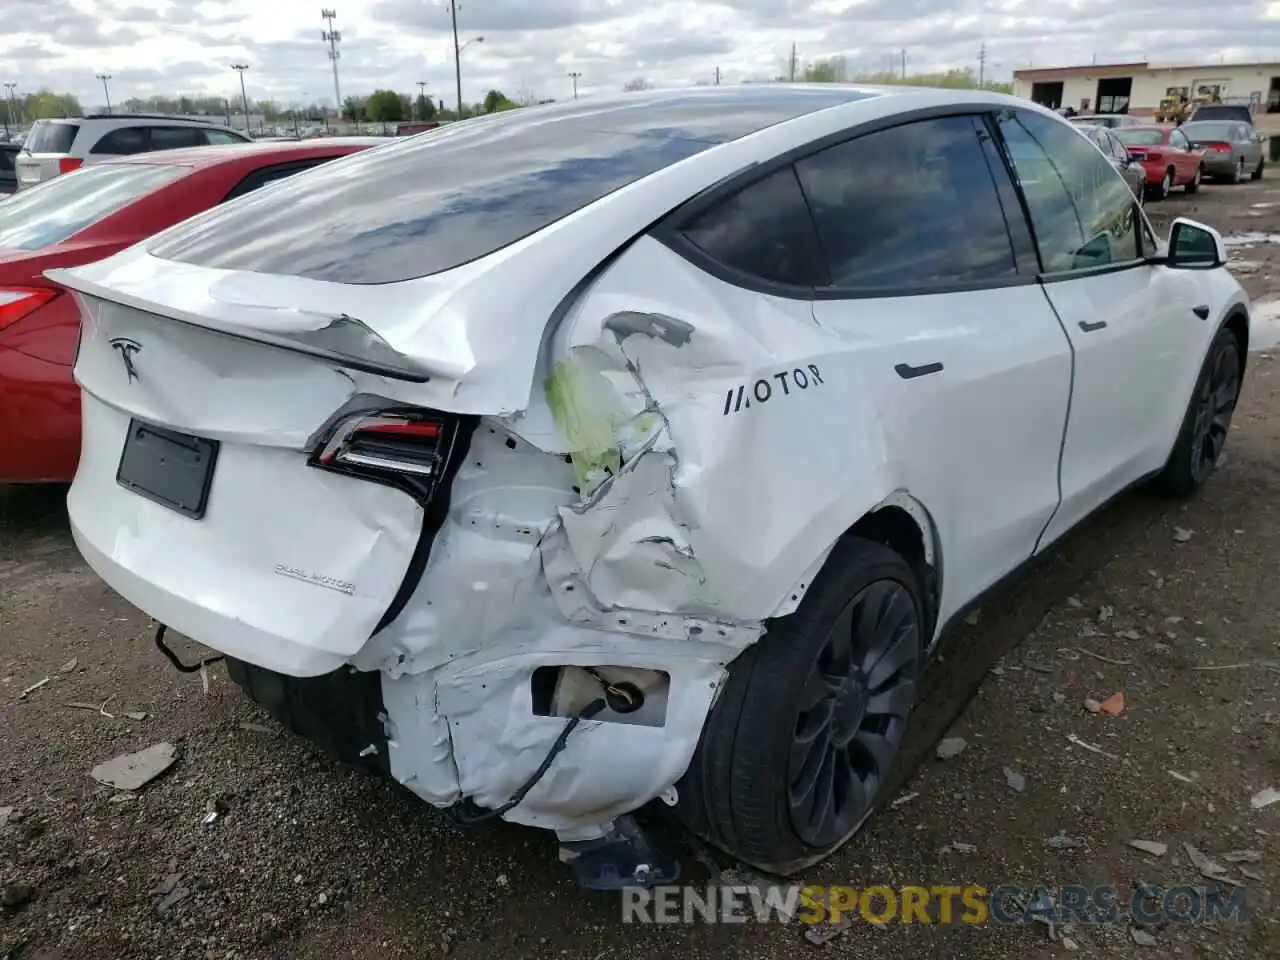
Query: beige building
point(1138, 88)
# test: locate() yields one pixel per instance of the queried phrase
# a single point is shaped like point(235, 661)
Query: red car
point(1167, 156)
point(81, 217)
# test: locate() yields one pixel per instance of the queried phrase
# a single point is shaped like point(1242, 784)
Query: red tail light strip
point(386, 443)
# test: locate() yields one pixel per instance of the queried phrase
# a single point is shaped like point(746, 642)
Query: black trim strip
point(1202, 311)
point(1088, 327)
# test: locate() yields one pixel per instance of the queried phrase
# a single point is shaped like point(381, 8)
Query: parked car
point(1237, 112)
point(55, 147)
point(8, 175)
point(74, 220)
point(645, 448)
point(1232, 150)
point(1167, 156)
point(1133, 172)
point(1108, 120)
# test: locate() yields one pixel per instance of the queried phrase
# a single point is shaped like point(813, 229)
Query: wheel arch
point(1237, 321)
point(903, 524)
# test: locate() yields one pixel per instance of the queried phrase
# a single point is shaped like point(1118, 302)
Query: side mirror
point(1195, 246)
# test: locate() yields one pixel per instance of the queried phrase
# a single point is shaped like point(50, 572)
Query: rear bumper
point(234, 580)
point(1219, 164)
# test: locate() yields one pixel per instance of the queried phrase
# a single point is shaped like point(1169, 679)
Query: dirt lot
point(1175, 605)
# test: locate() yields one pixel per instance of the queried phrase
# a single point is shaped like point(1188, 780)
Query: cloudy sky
point(531, 46)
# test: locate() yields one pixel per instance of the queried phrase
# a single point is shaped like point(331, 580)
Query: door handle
point(1090, 327)
point(907, 372)
point(1201, 311)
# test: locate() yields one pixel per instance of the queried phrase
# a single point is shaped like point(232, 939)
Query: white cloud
point(187, 46)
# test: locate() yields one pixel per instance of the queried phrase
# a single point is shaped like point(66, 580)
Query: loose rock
point(951, 747)
point(1153, 847)
point(132, 771)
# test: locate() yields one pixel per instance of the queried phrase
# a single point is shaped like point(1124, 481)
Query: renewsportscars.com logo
point(972, 904)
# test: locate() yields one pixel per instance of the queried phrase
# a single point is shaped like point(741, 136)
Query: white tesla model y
point(641, 447)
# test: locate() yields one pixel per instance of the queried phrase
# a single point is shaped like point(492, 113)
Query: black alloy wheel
point(1215, 403)
point(853, 715)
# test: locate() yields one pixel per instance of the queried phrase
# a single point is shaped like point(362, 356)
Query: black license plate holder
point(170, 468)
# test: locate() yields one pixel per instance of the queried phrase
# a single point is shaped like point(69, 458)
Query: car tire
point(1161, 190)
point(811, 717)
point(1193, 186)
point(1257, 174)
point(1202, 438)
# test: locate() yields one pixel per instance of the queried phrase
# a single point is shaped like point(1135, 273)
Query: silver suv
point(55, 147)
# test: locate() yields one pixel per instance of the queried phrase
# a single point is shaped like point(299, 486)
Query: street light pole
point(422, 99)
point(240, 68)
point(104, 77)
point(457, 53)
point(574, 75)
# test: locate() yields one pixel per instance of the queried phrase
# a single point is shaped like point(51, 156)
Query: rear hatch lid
point(46, 153)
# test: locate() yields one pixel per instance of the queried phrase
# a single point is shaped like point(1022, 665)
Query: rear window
point(428, 204)
point(51, 136)
point(55, 210)
point(1139, 138)
point(1223, 112)
point(1209, 131)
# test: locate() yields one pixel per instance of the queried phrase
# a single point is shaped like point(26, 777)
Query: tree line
point(390, 106)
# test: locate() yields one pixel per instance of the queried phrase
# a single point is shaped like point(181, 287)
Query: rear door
point(174, 138)
point(1131, 326)
point(1186, 160)
point(969, 367)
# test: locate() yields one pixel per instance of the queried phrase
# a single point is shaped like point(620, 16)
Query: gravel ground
point(1172, 604)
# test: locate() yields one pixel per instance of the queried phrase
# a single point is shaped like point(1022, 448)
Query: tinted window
point(1081, 208)
point(58, 208)
point(220, 137)
point(426, 204)
point(909, 207)
point(6, 159)
point(173, 138)
point(51, 136)
point(1177, 139)
point(1141, 138)
point(122, 142)
point(764, 230)
point(264, 175)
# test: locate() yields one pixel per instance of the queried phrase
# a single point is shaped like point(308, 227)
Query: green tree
point(831, 70)
point(425, 108)
point(45, 104)
point(353, 109)
point(385, 106)
point(639, 83)
point(496, 100)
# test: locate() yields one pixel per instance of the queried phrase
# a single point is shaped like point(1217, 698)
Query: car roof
point(254, 149)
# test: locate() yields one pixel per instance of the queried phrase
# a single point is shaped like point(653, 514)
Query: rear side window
point(122, 142)
point(264, 175)
point(220, 137)
point(764, 230)
point(911, 207)
point(63, 206)
point(51, 136)
point(1141, 138)
point(6, 160)
point(175, 138)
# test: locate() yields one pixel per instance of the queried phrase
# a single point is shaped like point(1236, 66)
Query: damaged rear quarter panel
point(746, 442)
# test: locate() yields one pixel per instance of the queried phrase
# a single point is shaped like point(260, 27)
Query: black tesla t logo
point(127, 348)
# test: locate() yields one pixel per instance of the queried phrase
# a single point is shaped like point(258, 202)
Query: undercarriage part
point(632, 695)
point(338, 712)
point(624, 857)
point(173, 657)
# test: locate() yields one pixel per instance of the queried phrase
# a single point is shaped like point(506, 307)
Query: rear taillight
point(410, 446)
point(67, 164)
point(1152, 155)
point(18, 302)
point(1220, 147)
